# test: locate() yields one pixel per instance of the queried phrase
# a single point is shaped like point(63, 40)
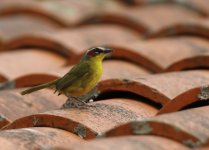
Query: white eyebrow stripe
point(102, 48)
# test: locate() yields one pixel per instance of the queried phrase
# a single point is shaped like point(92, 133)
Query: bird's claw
point(81, 101)
point(74, 103)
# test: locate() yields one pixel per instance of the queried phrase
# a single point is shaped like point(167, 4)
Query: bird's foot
point(89, 97)
point(74, 103)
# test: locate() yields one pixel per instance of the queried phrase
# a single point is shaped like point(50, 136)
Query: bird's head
point(97, 53)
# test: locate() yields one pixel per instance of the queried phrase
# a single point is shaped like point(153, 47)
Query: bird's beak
point(108, 52)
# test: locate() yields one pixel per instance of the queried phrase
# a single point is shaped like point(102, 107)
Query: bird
point(81, 80)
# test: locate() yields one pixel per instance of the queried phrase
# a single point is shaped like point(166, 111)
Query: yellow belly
point(86, 83)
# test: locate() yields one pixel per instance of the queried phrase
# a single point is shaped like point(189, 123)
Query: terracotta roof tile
point(1, 43)
point(37, 138)
point(162, 88)
point(65, 13)
point(125, 70)
point(105, 115)
point(202, 148)
point(14, 106)
point(201, 4)
point(28, 80)
point(37, 60)
point(196, 6)
point(18, 25)
point(131, 142)
point(153, 16)
point(147, 19)
point(197, 27)
point(25, 78)
point(73, 43)
point(3, 78)
point(153, 92)
point(194, 53)
point(190, 127)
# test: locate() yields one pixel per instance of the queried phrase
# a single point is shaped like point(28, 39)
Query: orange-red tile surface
point(28, 61)
point(37, 138)
point(132, 143)
point(154, 91)
point(162, 88)
point(190, 127)
point(94, 120)
point(14, 105)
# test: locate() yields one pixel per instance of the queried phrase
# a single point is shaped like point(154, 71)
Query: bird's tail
point(38, 87)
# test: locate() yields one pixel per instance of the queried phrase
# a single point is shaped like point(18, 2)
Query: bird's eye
point(94, 51)
point(97, 50)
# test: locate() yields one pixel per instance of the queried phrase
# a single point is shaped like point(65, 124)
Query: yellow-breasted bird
point(81, 79)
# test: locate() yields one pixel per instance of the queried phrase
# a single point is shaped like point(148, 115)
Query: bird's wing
point(73, 75)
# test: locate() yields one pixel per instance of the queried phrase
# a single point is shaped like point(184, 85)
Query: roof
point(153, 91)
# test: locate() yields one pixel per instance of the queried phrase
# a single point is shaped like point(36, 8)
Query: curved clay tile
point(159, 88)
point(185, 99)
point(131, 143)
point(73, 43)
point(1, 43)
point(126, 70)
point(202, 4)
point(37, 138)
point(64, 13)
point(34, 8)
point(162, 88)
point(14, 106)
point(90, 121)
point(122, 70)
point(193, 6)
point(27, 61)
point(132, 53)
point(189, 127)
point(162, 55)
point(15, 26)
point(3, 78)
point(30, 80)
point(119, 17)
point(146, 19)
point(198, 27)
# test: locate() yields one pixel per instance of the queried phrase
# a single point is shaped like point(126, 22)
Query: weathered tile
point(195, 5)
point(159, 88)
point(12, 27)
point(189, 127)
point(150, 18)
point(201, 4)
point(162, 55)
point(37, 138)
point(27, 61)
point(14, 105)
point(118, 69)
point(3, 78)
point(197, 27)
point(64, 13)
point(162, 88)
point(73, 43)
point(90, 121)
point(132, 143)
point(126, 70)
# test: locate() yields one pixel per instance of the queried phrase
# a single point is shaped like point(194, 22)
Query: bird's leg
point(73, 102)
point(94, 93)
point(69, 103)
point(80, 101)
